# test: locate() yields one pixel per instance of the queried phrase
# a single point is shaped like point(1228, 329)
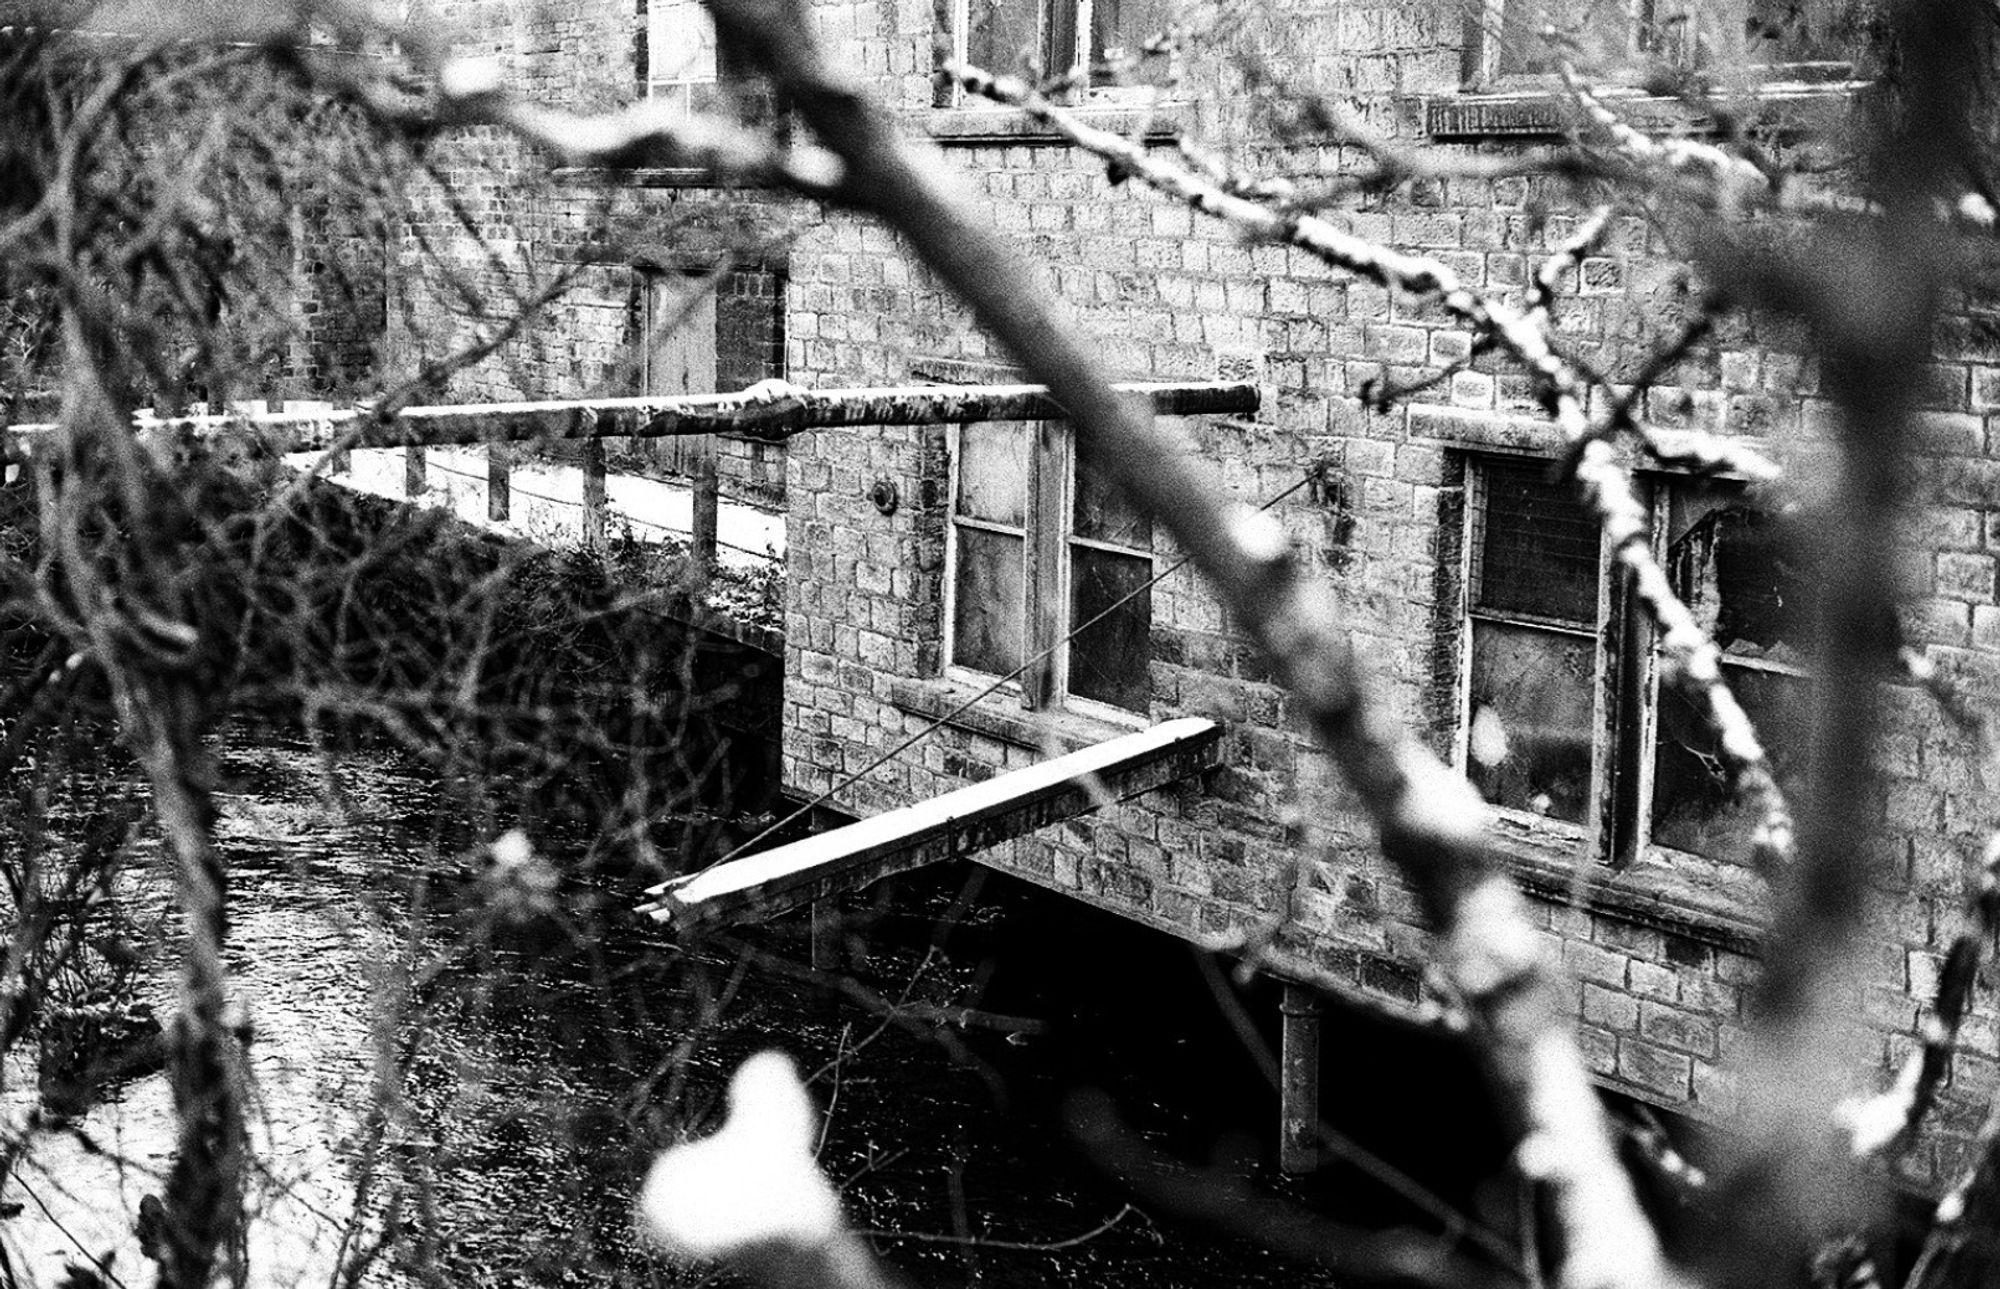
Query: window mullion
point(1607, 706)
point(961, 42)
point(948, 653)
point(1045, 556)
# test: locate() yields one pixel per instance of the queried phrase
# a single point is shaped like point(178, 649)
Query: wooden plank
point(770, 411)
point(952, 826)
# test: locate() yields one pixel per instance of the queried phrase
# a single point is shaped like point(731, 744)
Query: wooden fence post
point(416, 470)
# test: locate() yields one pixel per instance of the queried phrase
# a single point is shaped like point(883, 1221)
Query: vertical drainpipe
point(1298, 1083)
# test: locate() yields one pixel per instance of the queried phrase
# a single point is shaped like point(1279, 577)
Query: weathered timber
point(764, 412)
point(956, 825)
point(594, 485)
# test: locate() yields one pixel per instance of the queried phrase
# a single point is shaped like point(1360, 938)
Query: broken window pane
point(1102, 513)
point(1796, 31)
point(1597, 35)
point(989, 605)
point(1108, 659)
point(993, 473)
point(1693, 808)
point(1532, 699)
point(1537, 547)
point(1739, 570)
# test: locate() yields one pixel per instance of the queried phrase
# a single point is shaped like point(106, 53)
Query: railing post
point(593, 490)
point(1298, 1087)
point(499, 466)
point(707, 505)
point(416, 471)
point(826, 934)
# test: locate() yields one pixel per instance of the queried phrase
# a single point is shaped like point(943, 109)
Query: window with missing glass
point(1566, 721)
point(1051, 571)
point(1737, 568)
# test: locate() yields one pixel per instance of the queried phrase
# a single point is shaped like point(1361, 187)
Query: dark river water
point(461, 1079)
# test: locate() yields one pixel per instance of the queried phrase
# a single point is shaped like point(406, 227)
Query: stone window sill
point(1545, 112)
point(1715, 904)
point(1477, 430)
point(1000, 716)
point(971, 126)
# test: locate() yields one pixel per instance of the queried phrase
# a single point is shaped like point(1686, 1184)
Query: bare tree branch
point(1693, 662)
point(1431, 821)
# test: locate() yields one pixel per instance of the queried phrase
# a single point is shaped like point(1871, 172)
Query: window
point(1565, 718)
point(1635, 40)
point(1050, 36)
point(704, 335)
point(1046, 557)
point(680, 54)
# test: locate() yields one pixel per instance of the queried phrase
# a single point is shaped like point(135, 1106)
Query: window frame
point(1590, 834)
point(1047, 578)
point(685, 90)
point(1051, 16)
point(1617, 832)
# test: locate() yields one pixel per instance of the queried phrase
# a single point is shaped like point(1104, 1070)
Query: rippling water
point(452, 1086)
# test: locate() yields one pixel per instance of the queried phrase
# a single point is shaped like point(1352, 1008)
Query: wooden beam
point(952, 826)
point(772, 412)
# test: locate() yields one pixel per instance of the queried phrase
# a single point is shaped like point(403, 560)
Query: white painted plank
point(926, 822)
